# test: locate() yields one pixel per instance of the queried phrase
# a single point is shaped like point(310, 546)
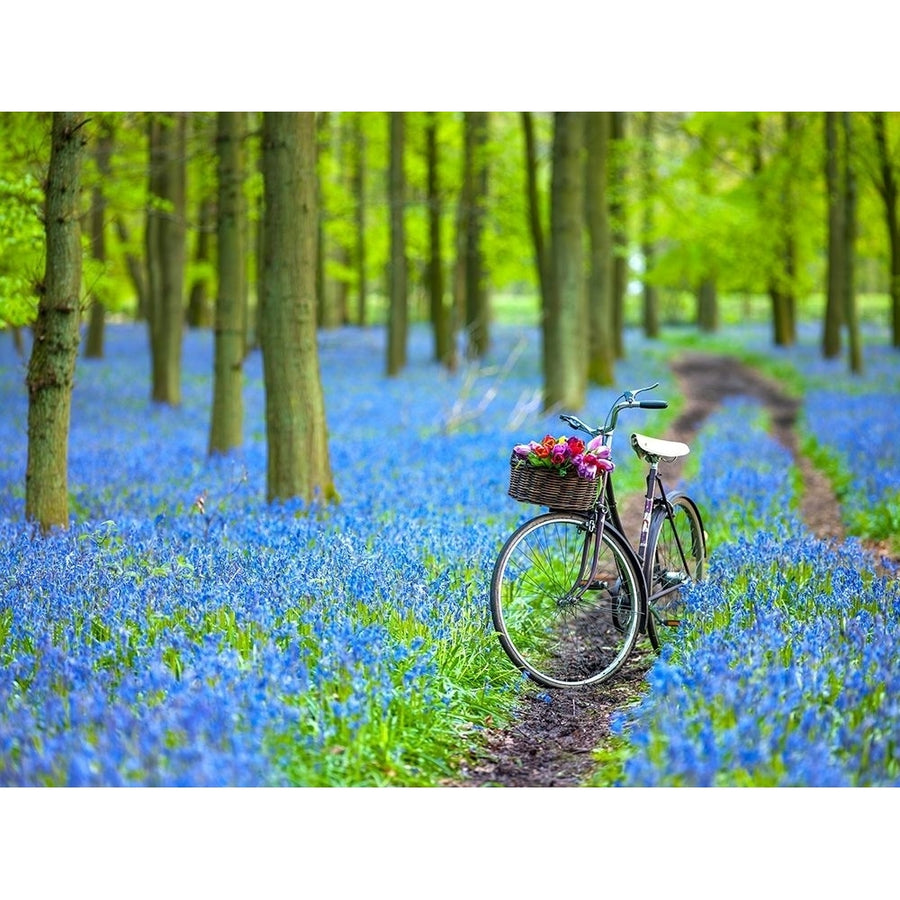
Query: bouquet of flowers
point(567, 456)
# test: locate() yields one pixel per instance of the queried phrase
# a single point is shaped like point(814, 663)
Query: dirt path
point(551, 742)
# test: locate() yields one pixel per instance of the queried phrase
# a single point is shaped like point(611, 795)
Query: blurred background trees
point(580, 223)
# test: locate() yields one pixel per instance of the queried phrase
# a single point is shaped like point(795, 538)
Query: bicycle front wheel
point(676, 558)
point(560, 618)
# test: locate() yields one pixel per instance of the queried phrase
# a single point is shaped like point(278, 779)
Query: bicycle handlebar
point(627, 400)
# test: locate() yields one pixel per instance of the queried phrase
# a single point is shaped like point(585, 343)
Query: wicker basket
point(545, 487)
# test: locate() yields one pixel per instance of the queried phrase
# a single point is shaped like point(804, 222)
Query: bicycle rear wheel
point(676, 558)
point(558, 624)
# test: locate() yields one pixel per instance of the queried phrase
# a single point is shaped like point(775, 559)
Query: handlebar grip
point(653, 404)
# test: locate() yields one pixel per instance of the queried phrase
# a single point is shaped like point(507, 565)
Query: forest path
point(551, 742)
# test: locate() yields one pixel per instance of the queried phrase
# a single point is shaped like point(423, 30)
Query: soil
point(551, 742)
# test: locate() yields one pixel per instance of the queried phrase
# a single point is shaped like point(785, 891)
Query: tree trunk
point(651, 298)
point(620, 234)
point(850, 309)
point(477, 312)
point(138, 271)
point(565, 330)
point(199, 309)
point(359, 186)
point(440, 319)
point(297, 439)
point(398, 303)
point(165, 253)
point(837, 262)
point(708, 306)
point(227, 423)
point(51, 369)
point(601, 355)
point(93, 346)
point(534, 207)
point(888, 189)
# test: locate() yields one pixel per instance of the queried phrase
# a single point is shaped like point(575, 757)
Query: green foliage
point(23, 158)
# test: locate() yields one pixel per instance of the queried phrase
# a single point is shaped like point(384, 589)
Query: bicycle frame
point(606, 507)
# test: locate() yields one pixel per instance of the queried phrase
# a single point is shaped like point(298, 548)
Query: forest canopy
point(734, 199)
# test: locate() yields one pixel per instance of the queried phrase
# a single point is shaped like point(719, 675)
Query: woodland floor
point(551, 741)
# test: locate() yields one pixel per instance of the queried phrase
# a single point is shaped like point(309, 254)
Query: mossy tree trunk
point(226, 427)
point(51, 369)
point(298, 456)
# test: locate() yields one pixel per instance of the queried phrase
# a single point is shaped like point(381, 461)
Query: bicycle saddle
point(649, 448)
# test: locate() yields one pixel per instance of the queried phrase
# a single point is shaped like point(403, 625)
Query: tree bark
point(51, 369)
point(565, 327)
point(398, 304)
point(601, 353)
point(298, 458)
point(165, 253)
point(226, 426)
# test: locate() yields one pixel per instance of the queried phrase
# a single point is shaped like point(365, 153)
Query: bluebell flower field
point(183, 632)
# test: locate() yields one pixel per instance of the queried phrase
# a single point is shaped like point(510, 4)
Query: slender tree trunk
point(359, 186)
point(93, 346)
point(850, 308)
point(137, 270)
point(620, 233)
point(651, 298)
point(837, 262)
point(226, 426)
point(774, 212)
point(889, 190)
point(199, 310)
point(297, 439)
point(601, 354)
point(398, 309)
point(566, 327)
point(166, 247)
point(477, 312)
point(440, 321)
point(708, 305)
point(789, 203)
point(51, 369)
point(534, 207)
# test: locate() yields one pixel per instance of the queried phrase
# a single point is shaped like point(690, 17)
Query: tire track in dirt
point(551, 742)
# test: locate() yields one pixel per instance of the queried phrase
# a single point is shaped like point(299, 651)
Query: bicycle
point(570, 594)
